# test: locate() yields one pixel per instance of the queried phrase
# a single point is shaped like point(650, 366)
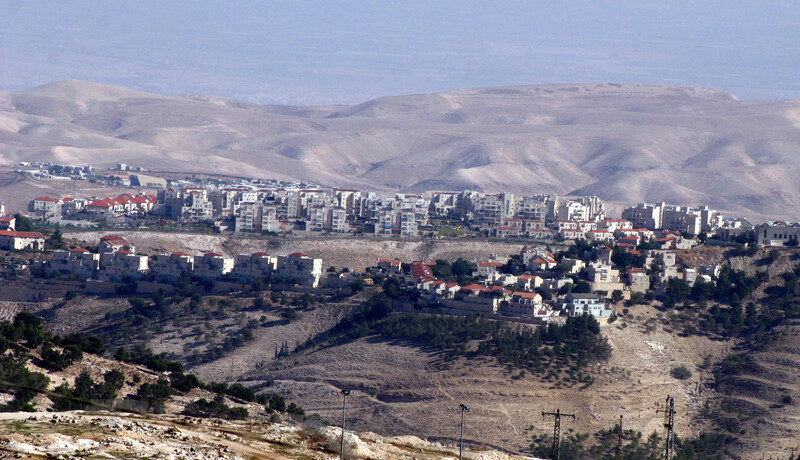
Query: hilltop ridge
point(623, 142)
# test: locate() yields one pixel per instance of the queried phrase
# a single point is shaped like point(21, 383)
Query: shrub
point(680, 372)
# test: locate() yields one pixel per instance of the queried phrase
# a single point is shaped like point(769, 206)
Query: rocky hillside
point(622, 142)
point(119, 435)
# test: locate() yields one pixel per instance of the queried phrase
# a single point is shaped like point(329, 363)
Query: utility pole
point(619, 440)
point(669, 424)
point(557, 431)
point(344, 411)
point(464, 408)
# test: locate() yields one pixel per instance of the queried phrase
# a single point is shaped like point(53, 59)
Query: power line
point(557, 431)
point(669, 424)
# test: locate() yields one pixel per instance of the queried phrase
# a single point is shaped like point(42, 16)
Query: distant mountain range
point(623, 142)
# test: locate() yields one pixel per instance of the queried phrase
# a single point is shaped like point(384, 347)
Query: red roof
point(181, 254)
point(124, 251)
point(79, 250)
point(112, 238)
point(539, 260)
point(20, 234)
point(212, 254)
point(507, 228)
point(298, 254)
point(105, 202)
point(6, 219)
point(474, 287)
point(451, 285)
point(45, 198)
point(420, 270)
point(261, 254)
point(490, 264)
point(526, 295)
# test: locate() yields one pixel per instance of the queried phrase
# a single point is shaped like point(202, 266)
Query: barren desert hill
point(623, 142)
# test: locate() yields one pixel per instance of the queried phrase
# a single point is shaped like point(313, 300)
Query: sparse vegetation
point(680, 372)
point(571, 346)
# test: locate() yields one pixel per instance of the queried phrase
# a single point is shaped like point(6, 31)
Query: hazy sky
point(315, 52)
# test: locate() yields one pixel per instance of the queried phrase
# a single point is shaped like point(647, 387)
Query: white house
point(591, 304)
point(18, 241)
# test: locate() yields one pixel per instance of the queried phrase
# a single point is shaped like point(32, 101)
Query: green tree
point(24, 224)
point(277, 403)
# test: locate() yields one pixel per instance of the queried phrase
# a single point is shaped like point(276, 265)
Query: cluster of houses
point(116, 260)
point(57, 210)
point(287, 209)
point(283, 209)
point(533, 294)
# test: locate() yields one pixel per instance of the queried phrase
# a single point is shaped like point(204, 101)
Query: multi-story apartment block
point(384, 221)
point(212, 266)
point(347, 199)
point(602, 273)
point(318, 218)
point(670, 217)
point(247, 218)
point(299, 268)
point(115, 266)
point(407, 223)
point(443, 203)
point(45, 208)
point(76, 261)
point(196, 205)
point(250, 267)
point(269, 218)
point(170, 267)
point(644, 215)
point(338, 220)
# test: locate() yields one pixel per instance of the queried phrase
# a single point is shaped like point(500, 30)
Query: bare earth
point(354, 253)
point(401, 388)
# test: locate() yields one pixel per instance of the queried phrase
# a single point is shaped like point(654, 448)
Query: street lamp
point(464, 408)
point(344, 410)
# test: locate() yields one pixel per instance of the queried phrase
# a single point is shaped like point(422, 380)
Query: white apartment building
point(170, 267)
point(115, 266)
point(212, 266)
point(250, 267)
point(299, 268)
point(76, 261)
